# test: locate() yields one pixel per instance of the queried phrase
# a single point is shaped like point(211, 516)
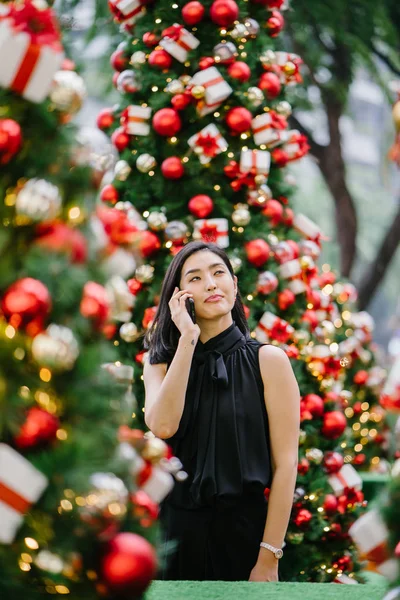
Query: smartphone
point(190, 308)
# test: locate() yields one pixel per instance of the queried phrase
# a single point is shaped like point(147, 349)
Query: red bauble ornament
point(327, 278)
point(303, 466)
point(285, 299)
point(270, 84)
point(288, 217)
point(333, 462)
point(167, 122)
point(40, 427)
point(310, 317)
point(359, 459)
point(224, 12)
point(313, 404)
point(361, 377)
point(150, 39)
point(26, 303)
point(172, 168)
point(330, 504)
point(239, 70)
point(119, 60)
point(181, 101)
point(270, 3)
point(59, 237)
point(257, 252)
point(201, 206)
point(134, 286)
point(193, 12)
point(95, 303)
point(120, 139)
point(275, 23)
point(149, 244)
point(128, 565)
point(273, 210)
point(109, 194)
point(334, 424)
point(206, 62)
point(105, 119)
point(238, 119)
point(160, 59)
point(344, 563)
point(279, 157)
point(149, 315)
point(295, 248)
point(10, 139)
point(303, 518)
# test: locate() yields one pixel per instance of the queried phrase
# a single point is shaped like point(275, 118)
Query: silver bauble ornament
point(127, 82)
point(122, 170)
point(252, 26)
point(314, 455)
point(175, 86)
point(68, 92)
point(255, 96)
point(176, 231)
point(138, 58)
point(38, 200)
point(120, 298)
point(267, 283)
point(268, 58)
point(144, 273)
point(241, 216)
point(273, 240)
point(145, 163)
point(157, 221)
point(55, 348)
point(239, 31)
point(128, 332)
point(309, 248)
point(236, 263)
point(283, 108)
point(106, 499)
point(224, 52)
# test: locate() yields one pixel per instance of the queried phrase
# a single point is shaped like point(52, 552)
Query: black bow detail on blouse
point(214, 365)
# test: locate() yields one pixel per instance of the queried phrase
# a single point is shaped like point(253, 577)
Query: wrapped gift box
point(212, 230)
point(21, 485)
point(370, 534)
point(290, 269)
point(267, 324)
point(127, 10)
point(269, 129)
point(178, 41)
point(27, 68)
point(256, 161)
point(297, 286)
point(120, 298)
point(347, 477)
point(306, 227)
point(216, 89)
point(208, 143)
point(135, 120)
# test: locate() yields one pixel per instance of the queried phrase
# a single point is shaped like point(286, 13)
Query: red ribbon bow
point(41, 25)
point(173, 32)
point(240, 179)
point(208, 143)
point(210, 233)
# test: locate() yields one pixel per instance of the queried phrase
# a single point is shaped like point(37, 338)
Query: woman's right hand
point(180, 315)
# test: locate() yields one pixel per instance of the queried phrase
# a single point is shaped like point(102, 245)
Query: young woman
point(229, 408)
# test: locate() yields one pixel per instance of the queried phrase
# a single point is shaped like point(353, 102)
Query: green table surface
point(243, 590)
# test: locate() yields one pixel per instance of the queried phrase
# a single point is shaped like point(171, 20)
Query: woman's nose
point(211, 284)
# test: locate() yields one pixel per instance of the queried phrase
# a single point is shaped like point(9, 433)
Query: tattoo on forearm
point(192, 342)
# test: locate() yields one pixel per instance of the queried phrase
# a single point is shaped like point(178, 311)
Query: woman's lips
point(215, 298)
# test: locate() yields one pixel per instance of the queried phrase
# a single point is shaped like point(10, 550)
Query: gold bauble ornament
point(154, 450)
point(268, 58)
point(157, 221)
point(128, 332)
point(296, 538)
point(138, 58)
point(198, 91)
point(56, 348)
point(236, 263)
point(68, 92)
point(185, 79)
point(122, 170)
point(144, 273)
point(38, 200)
point(145, 163)
point(283, 108)
point(255, 96)
point(273, 240)
point(306, 262)
point(396, 115)
point(315, 455)
point(302, 437)
point(241, 215)
point(260, 180)
point(175, 87)
point(289, 68)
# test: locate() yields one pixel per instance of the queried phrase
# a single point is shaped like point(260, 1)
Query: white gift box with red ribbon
point(21, 485)
point(290, 269)
point(297, 286)
point(208, 136)
point(281, 59)
point(135, 120)
point(264, 131)
point(216, 89)
point(212, 231)
point(347, 477)
point(345, 579)
point(127, 9)
point(152, 479)
point(25, 67)
point(266, 324)
point(178, 41)
point(256, 161)
point(370, 535)
point(306, 227)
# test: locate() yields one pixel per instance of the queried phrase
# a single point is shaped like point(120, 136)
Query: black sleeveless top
point(223, 435)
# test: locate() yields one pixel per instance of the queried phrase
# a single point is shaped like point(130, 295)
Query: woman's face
point(206, 276)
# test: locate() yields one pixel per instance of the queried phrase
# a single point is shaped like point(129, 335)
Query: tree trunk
point(333, 169)
point(377, 270)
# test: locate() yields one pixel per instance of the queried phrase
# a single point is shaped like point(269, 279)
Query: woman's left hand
point(265, 569)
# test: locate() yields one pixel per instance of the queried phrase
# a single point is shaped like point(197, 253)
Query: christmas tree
point(203, 139)
point(79, 490)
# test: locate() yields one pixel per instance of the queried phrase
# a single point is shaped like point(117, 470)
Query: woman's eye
point(193, 278)
point(220, 271)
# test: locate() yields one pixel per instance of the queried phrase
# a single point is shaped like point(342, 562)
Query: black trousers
point(214, 543)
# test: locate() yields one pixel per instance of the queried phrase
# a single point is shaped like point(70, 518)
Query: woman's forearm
point(166, 411)
point(279, 505)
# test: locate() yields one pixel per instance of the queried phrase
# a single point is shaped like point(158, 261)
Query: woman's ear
point(235, 283)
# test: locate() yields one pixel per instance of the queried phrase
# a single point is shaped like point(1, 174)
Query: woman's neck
point(211, 328)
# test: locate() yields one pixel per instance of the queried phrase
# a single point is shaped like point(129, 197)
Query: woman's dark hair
point(162, 337)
